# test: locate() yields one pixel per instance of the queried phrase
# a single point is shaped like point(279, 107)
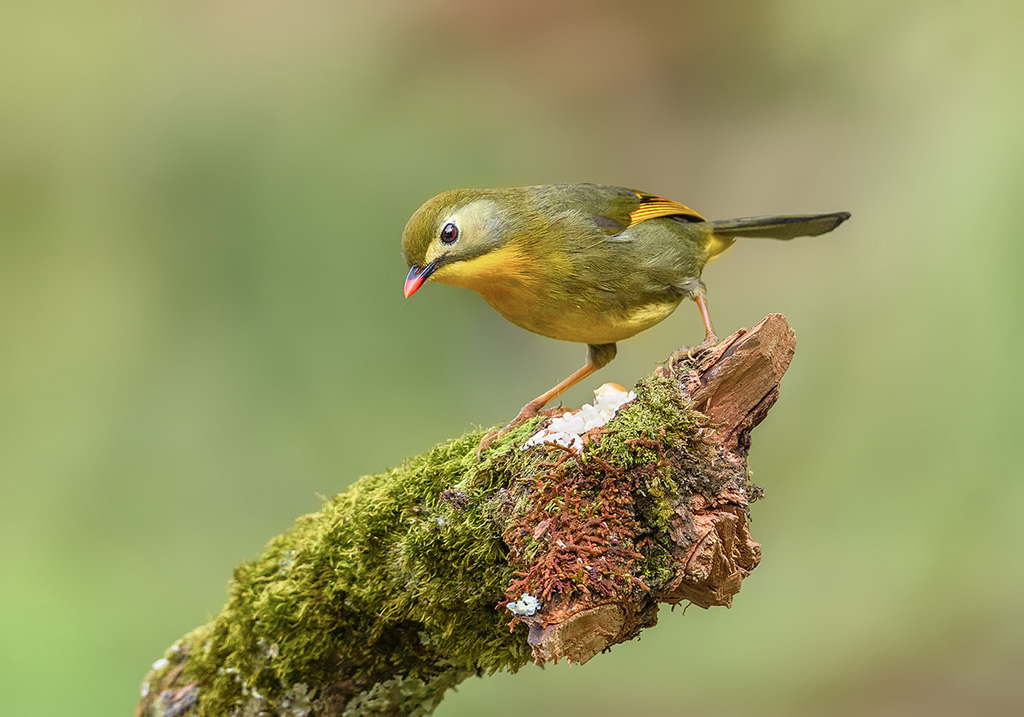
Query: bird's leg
point(598, 355)
point(710, 338)
point(709, 330)
point(533, 407)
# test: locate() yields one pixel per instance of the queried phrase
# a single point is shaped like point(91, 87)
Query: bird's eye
point(449, 233)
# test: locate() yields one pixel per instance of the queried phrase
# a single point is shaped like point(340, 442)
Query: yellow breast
point(527, 293)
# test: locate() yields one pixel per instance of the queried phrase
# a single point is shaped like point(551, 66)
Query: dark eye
point(449, 233)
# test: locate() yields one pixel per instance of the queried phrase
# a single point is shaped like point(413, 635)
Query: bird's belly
point(591, 327)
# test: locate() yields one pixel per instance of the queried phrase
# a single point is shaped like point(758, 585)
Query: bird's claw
point(523, 416)
point(689, 356)
point(487, 440)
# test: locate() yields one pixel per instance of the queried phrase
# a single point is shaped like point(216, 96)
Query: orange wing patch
point(652, 207)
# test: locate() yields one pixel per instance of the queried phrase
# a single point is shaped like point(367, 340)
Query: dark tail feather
point(781, 227)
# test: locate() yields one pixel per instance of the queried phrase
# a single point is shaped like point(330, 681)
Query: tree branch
point(400, 587)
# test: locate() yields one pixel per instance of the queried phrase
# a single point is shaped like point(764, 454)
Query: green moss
point(399, 575)
point(404, 696)
point(660, 414)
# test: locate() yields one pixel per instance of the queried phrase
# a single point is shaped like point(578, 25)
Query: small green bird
point(579, 262)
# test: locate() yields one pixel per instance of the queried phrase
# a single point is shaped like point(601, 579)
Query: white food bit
point(161, 663)
point(525, 606)
point(145, 689)
point(567, 430)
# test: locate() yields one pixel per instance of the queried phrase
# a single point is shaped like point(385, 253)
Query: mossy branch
point(397, 589)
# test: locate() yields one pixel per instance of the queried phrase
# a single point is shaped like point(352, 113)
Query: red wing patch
point(652, 207)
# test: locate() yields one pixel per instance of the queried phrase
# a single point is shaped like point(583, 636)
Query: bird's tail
point(778, 227)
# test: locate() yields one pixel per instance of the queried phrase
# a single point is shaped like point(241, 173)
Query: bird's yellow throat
point(494, 271)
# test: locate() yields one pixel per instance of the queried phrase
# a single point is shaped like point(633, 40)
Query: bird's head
point(456, 238)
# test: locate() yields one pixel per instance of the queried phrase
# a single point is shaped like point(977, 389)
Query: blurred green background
point(203, 331)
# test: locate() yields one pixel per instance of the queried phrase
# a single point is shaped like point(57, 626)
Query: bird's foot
point(690, 356)
point(490, 438)
point(528, 411)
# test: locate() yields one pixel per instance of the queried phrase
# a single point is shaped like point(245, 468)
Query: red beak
point(417, 276)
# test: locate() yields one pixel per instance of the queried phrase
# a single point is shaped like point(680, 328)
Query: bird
point(589, 263)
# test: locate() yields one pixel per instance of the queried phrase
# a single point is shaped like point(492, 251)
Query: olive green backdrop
point(202, 328)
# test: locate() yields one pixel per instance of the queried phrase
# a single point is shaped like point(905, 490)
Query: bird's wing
point(615, 209)
point(650, 207)
point(610, 209)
